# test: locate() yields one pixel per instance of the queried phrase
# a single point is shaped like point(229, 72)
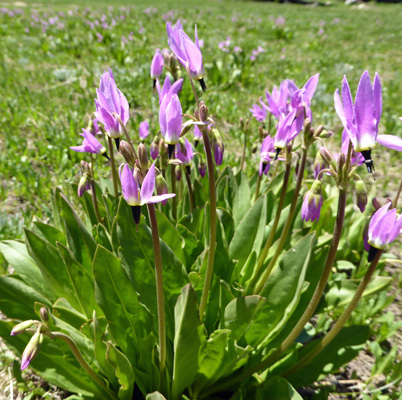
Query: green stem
point(395, 202)
point(190, 190)
point(285, 232)
point(307, 314)
point(192, 86)
point(243, 157)
point(113, 165)
point(272, 233)
point(212, 224)
point(94, 197)
point(83, 362)
point(159, 287)
point(173, 182)
point(257, 188)
point(326, 340)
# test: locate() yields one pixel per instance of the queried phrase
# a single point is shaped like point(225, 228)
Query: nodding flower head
point(259, 113)
point(90, 144)
point(144, 130)
point(184, 152)
point(186, 51)
point(312, 202)
point(286, 130)
point(111, 100)
point(136, 197)
point(157, 65)
point(362, 118)
point(385, 225)
point(267, 147)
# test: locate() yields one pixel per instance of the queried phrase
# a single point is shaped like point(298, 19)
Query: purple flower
point(312, 202)
point(31, 350)
point(286, 130)
point(90, 144)
point(170, 119)
point(144, 130)
point(136, 197)
point(266, 148)
point(259, 113)
point(197, 135)
point(185, 153)
point(385, 225)
point(110, 100)
point(157, 65)
point(202, 169)
point(168, 89)
point(357, 158)
point(154, 149)
point(218, 153)
point(278, 100)
point(361, 119)
point(186, 51)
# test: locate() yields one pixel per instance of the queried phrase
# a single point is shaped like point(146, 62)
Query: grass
point(48, 74)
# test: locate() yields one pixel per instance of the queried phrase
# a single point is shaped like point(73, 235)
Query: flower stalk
point(113, 166)
point(190, 190)
point(94, 197)
point(173, 183)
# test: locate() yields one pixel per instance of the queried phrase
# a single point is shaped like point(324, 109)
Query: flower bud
point(202, 169)
point(177, 171)
point(328, 157)
point(341, 162)
point(326, 134)
point(32, 349)
point(161, 187)
point(162, 148)
point(44, 315)
point(319, 164)
point(376, 203)
point(307, 126)
point(138, 175)
point(361, 195)
point(203, 111)
point(85, 166)
point(155, 148)
point(241, 123)
point(143, 157)
point(127, 152)
point(83, 185)
point(22, 327)
point(312, 202)
point(318, 131)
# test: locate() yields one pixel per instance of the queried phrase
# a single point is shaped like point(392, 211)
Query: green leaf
point(241, 200)
point(52, 267)
point(102, 236)
point(16, 254)
point(49, 232)
point(248, 235)
point(55, 363)
point(155, 396)
point(187, 341)
point(123, 370)
point(277, 388)
point(239, 314)
point(63, 310)
point(282, 291)
point(80, 240)
point(342, 292)
point(82, 282)
point(128, 319)
point(17, 299)
point(345, 346)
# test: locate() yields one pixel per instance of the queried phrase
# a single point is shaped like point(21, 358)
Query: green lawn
point(51, 62)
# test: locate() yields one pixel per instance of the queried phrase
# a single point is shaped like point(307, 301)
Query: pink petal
point(148, 186)
point(162, 197)
point(391, 141)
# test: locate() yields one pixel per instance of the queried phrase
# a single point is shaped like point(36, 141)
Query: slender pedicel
point(113, 166)
point(93, 190)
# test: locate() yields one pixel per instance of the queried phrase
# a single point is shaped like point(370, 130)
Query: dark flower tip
point(368, 161)
point(203, 85)
point(117, 141)
point(196, 143)
point(372, 253)
point(105, 155)
point(154, 84)
point(136, 210)
point(171, 148)
point(277, 151)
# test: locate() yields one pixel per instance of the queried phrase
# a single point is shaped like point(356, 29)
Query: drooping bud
point(312, 202)
point(376, 203)
point(143, 157)
point(161, 187)
point(44, 315)
point(85, 166)
point(127, 152)
point(203, 111)
point(319, 164)
point(22, 327)
point(177, 171)
point(241, 123)
point(83, 185)
point(328, 157)
point(155, 148)
point(318, 131)
point(202, 169)
point(361, 195)
point(32, 349)
point(162, 148)
point(341, 161)
point(138, 176)
point(326, 134)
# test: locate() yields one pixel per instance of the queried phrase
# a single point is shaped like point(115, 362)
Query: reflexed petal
point(273, 107)
point(377, 98)
point(165, 89)
point(80, 149)
point(162, 197)
point(347, 102)
point(124, 108)
point(92, 141)
point(194, 56)
point(339, 108)
point(376, 218)
point(383, 227)
point(148, 186)
point(105, 102)
point(391, 141)
point(364, 108)
point(311, 86)
point(129, 186)
point(173, 120)
point(395, 231)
